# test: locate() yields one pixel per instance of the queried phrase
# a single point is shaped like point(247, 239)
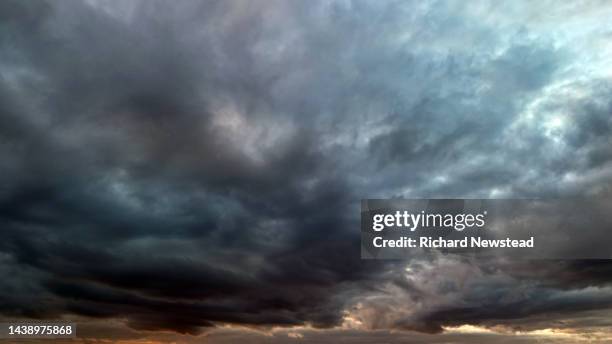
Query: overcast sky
point(191, 171)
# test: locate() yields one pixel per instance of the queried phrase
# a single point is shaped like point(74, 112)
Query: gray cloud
point(194, 164)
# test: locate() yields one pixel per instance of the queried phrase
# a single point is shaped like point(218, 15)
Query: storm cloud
point(186, 166)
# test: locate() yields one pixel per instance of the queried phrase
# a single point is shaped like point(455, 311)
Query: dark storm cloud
point(127, 188)
point(486, 308)
point(193, 164)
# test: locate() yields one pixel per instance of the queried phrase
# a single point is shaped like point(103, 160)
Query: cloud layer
point(194, 164)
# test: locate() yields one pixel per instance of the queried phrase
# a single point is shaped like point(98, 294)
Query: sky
point(191, 171)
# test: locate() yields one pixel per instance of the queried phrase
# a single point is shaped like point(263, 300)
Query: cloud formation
point(189, 165)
